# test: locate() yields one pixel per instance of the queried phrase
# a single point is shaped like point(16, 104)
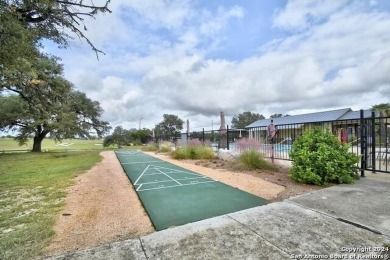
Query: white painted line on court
point(165, 187)
point(168, 170)
point(135, 183)
point(167, 176)
point(142, 162)
point(157, 182)
point(173, 171)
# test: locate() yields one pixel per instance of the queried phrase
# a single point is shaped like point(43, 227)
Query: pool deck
point(340, 222)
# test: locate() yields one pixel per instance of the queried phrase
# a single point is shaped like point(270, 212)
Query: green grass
point(32, 191)
point(252, 160)
point(9, 144)
point(193, 152)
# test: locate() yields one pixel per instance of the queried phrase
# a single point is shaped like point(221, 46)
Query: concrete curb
point(333, 223)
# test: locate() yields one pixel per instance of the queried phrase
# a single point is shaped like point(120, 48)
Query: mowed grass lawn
point(33, 187)
point(7, 144)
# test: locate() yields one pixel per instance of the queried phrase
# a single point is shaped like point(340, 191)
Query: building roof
point(356, 115)
point(332, 115)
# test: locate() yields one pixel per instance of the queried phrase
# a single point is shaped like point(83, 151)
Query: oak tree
point(47, 104)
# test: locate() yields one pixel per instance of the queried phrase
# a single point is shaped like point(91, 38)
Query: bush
point(193, 152)
point(252, 160)
point(164, 147)
point(319, 158)
point(150, 147)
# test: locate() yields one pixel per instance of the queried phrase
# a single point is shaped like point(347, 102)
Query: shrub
point(164, 147)
point(319, 158)
point(193, 152)
point(204, 152)
point(251, 160)
point(150, 147)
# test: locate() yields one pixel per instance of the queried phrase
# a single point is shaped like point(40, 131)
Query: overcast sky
point(197, 58)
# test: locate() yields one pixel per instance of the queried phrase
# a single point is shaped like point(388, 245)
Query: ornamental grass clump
point(150, 147)
point(164, 147)
point(319, 158)
point(194, 150)
point(252, 160)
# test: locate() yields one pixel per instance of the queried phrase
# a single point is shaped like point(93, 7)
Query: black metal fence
point(369, 138)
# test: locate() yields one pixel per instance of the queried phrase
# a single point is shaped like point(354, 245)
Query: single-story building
point(342, 122)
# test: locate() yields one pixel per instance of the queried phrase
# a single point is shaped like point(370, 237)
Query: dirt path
point(101, 207)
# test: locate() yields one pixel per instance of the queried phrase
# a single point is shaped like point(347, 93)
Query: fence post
point(227, 137)
point(363, 143)
point(373, 145)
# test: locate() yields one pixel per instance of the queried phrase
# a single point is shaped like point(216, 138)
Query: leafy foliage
point(49, 106)
point(383, 109)
point(124, 137)
point(244, 119)
point(278, 115)
point(169, 127)
point(319, 158)
point(18, 44)
point(52, 20)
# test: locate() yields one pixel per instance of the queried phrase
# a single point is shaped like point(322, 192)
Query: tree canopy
point(73, 116)
point(383, 109)
point(244, 119)
point(121, 136)
point(278, 115)
point(169, 127)
point(48, 104)
point(24, 24)
point(54, 20)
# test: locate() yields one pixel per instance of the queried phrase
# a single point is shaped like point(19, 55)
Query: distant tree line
point(244, 119)
point(123, 137)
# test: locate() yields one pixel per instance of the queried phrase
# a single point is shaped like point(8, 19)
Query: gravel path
point(101, 207)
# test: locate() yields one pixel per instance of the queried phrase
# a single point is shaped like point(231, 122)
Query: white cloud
point(337, 54)
point(215, 23)
point(300, 14)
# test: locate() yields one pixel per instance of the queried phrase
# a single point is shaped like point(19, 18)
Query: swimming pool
point(277, 147)
point(282, 147)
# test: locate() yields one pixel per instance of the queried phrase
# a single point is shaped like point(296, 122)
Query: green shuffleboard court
point(174, 196)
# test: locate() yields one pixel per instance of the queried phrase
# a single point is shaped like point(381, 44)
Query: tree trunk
point(38, 140)
point(37, 144)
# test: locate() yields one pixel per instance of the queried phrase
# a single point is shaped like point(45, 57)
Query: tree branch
point(101, 8)
point(20, 92)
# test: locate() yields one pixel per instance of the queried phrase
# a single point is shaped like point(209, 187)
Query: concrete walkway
point(341, 222)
